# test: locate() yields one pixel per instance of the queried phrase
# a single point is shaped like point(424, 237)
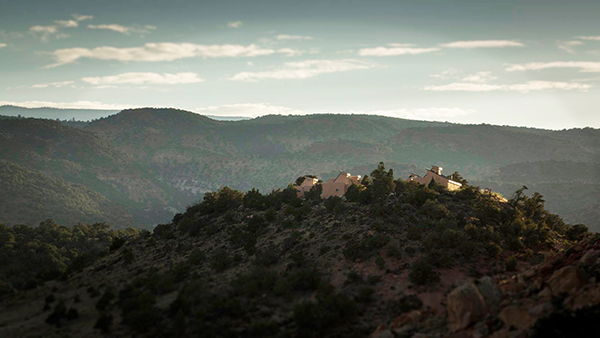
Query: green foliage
point(164, 231)
point(422, 273)
point(315, 319)
point(383, 183)
point(334, 204)
point(220, 260)
point(511, 263)
point(31, 255)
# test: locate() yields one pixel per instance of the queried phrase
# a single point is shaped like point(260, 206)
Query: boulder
point(518, 316)
point(590, 257)
point(567, 280)
point(382, 331)
point(488, 289)
point(585, 298)
point(465, 306)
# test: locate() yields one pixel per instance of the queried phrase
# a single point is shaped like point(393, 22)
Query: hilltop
point(257, 265)
point(196, 154)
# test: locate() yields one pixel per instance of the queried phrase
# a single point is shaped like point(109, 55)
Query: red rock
point(590, 257)
point(406, 318)
point(508, 334)
point(382, 331)
point(567, 280)
point(518, 316)
point(588, 297)
point(465, 306)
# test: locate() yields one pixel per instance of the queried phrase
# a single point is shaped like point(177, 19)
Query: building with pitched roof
point(435, 174)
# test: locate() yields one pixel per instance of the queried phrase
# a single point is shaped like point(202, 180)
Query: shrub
point(413, 233)
point(164, 231)
point(511, 263)
point(220, 261)
point(380, 262)
point(422, 273)
point(314, 319)
point(104, 322)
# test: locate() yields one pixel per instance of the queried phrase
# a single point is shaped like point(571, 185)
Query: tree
point(383, 182)
point(456, 177)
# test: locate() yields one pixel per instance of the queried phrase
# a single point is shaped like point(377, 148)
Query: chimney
point(436, 169)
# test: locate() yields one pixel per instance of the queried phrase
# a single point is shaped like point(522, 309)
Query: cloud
point(80, 17)
point(480, 77)
point(235, 24)
point(69, 105)
point(303, 70)
point(2, 45)
point(53, 84)
point(394, 49)
point(446, 74)
point(583, 66)
point(45, 32)
point(293, 37)
point(590, 38)
point(523, 88)
point(482, 44)
point(144, 78)
point(248, 110)
point(123, 29)
point(67, 23)
point(567, 46)
point(156, 52)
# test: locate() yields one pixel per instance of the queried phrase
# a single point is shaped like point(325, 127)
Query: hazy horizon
point(468, 62)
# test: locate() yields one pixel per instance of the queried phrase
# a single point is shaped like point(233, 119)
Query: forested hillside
point(55, 171)
point(194, 153)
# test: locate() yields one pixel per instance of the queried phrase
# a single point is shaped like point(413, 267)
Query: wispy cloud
point(482, 44)
point(69, 105)
point(123, 29)
point(235, 24)
point(447, 74)
point(303, 70)
point(293, 37)
point(166, 51)
point(567, 46)
point(2, 45)
point(80, 17)
point(523, 88)
point(46, 32)
point(583, 66)
point(67, 23)
point(393, 49)
point(53, 84)
point(590, 38)
point(480, 77)
point(144, 78)
point(248, 110)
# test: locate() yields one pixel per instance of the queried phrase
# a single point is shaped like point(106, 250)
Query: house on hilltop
point(333, 187)
point(435, 174)
point(339, 185)
point(306, 185)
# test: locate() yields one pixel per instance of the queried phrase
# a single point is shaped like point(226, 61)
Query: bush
point(164, 231)
point(220, 261)
point(422, 273)
point(511, 263)
point(104, 322)
point(315, 319)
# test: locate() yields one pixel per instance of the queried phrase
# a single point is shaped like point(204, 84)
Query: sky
point(524, 63)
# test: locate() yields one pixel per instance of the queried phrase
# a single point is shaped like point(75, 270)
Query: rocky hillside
point(395, 259)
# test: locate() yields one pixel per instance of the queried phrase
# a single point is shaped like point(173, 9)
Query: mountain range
point(145, 164)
